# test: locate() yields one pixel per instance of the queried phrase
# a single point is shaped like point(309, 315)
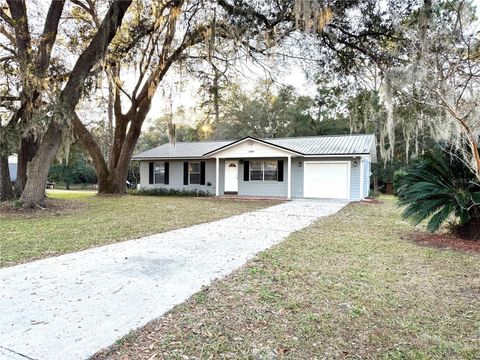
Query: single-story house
point(297, 167)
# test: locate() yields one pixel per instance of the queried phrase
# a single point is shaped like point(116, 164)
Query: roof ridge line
point(315, 136)
point(262, 138)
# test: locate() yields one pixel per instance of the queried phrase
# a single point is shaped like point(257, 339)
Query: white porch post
point(289, 177)
point(217, 176)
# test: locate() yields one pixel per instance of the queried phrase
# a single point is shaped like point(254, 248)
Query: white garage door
point(327, 180)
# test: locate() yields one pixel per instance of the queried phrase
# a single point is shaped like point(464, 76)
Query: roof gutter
point(334, 155)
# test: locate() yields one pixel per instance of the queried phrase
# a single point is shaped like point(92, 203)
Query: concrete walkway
point(71, 306)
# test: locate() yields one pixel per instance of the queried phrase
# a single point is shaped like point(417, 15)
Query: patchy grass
point(97, 220)
point(346, 287)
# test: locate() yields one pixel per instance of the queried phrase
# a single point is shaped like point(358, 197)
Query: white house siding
point(298, 178)
point(263, 188)
point(366, 175)
point(176, 176)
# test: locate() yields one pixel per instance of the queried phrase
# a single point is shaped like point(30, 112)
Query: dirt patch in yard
point(53, 207)
point(446, 241)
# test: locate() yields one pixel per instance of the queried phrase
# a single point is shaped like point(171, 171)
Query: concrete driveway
point(71, 306)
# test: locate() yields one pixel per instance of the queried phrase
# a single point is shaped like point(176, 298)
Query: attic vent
point(232, 165)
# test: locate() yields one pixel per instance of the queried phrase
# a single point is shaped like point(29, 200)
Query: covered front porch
point(254, 177)
point(251, 167)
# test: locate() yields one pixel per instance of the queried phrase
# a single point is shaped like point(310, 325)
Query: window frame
point(190, 172)
point(262, 162)
point(160, 172)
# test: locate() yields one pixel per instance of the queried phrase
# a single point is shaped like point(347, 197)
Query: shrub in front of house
point(169, 192)
point(439, 187)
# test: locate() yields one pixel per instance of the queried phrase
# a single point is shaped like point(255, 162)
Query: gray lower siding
point(176, 177)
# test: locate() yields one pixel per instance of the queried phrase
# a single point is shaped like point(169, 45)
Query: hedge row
point(169, 192)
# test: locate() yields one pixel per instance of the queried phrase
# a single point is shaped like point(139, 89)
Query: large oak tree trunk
point(124, 155)
point(118, 178)
point(33, 69)
point(112, 179)
point(106, 179)
point(114, 183)
point(28, 149)
point(34, 191)
point(6, 191)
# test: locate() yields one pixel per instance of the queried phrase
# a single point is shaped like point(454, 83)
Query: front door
point(231, 176)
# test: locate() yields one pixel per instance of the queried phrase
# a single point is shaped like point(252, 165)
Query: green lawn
point(350, 286)
point(104, 220)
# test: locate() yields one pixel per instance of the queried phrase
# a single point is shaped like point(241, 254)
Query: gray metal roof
point(181, 150)
point(327, 145)
point(310, 145)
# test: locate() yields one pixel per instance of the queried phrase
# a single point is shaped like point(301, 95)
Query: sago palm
point(438, 186)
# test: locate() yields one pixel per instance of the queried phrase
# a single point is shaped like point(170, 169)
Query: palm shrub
point(438, 186)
